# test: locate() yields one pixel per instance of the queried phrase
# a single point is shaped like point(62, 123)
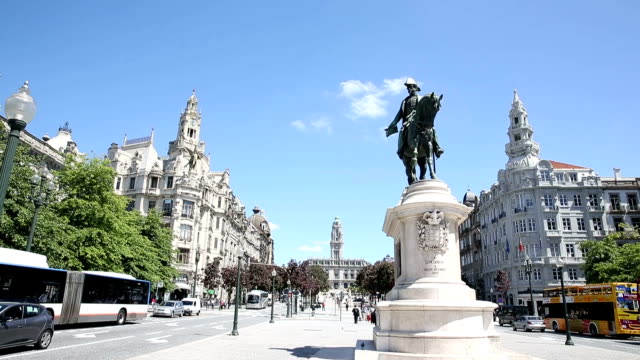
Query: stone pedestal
point(431, 313)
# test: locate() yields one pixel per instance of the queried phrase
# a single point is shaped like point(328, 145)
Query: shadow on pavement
point(314, 351)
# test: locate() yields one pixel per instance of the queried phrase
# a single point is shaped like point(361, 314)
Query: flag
point(520, 246)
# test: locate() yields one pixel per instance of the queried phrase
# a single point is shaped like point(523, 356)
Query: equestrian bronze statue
point(417, 140)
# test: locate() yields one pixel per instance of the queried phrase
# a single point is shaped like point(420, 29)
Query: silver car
point(169, 308)
point(529, 323)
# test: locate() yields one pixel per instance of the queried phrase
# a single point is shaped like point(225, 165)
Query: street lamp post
point(39, 198)
point(234, 332)
point(195, 276)
point(528, 268)
point(559, 265)
point(273, 293)
point(288, 298)
point(20, 110)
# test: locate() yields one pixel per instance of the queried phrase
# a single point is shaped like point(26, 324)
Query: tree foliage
point(85, 225)
point(212, 275)
point(376, 278)
point(502, 284)
point(605, 261)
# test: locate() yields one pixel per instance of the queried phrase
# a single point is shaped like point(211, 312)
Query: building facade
point(342, 272)
point(541, 210)
point(207, 220)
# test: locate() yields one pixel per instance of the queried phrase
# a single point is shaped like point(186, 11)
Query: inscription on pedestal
point(434, 266)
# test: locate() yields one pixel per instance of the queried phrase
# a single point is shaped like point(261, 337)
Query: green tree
point(606, 261)
point(229, 278)
point(376, 278)
point(319, 280)
point(212, 276)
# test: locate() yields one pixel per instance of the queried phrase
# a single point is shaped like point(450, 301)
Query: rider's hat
point(411, 81)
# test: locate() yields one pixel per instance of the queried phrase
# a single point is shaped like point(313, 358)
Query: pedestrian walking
point(346, 305)
point(373, 317)
point(356, 314)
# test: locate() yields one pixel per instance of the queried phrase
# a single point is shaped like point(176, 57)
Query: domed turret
point(259, 221)
point(470, 199)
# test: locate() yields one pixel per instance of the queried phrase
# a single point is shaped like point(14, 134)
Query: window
point(132, 183)
point(593, 200)
point(151, 205)
point(187, 209)
point(515, 227)
point(528, 201)
point(131, 205)
point(119, 182)
point(336, 274)
point(597, 224)
point(554, 249)
point(617, 223)
point(169, 182)
point(520, 274)
point(346, 285)
point(215, 243)
point(531, 222)
point(632, 200)
point(580, 222)
point(192, 133)
point(577, 200)
point(515, 120)
point(537, 274)
point(545, 176)
point(560, 177)
point(563, 200)
point(217, 222)
point(551, 224)
point(154, 183)
point(615, 202)
point(183, 256)
point(185, 232)
point(556, 273)
point(219, 201)
point(548, 200)
point(167, 207)
point(571, 250)
point(566, 224)
point(573, 177)
point(516, 137)
point(573, 274)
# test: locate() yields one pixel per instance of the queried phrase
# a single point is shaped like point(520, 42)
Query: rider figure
point(407, 113)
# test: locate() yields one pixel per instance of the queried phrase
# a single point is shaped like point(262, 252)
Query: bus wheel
point(122, 317)
point(555, 327)
point(593, 330)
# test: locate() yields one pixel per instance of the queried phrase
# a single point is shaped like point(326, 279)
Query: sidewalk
point(322, 336)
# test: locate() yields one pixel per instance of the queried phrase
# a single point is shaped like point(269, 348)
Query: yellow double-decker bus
point(598, 309)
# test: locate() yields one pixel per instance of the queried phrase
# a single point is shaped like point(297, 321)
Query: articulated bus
point(72, 296)
point(598, 309)
point(257, 299)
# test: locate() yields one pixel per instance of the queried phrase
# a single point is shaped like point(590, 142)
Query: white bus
point(257, 299)
point(72, 296)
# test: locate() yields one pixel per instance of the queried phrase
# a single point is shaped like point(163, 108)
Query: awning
point(183, 286)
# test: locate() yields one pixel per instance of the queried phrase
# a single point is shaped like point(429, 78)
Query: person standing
point(356, 314)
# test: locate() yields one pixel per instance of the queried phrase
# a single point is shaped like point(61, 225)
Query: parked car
point(25, 324)
point(529, 323)
point(171, 308)
point(191, 306)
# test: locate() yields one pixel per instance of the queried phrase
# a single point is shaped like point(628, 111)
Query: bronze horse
point(418, 148)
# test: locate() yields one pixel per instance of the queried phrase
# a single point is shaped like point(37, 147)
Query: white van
point(191, 306)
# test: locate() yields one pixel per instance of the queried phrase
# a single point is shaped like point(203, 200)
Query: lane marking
point(89, 335)
point(153, 333)
point(159, 339)
point(64, 347)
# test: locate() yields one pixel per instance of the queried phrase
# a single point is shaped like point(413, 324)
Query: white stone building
point(542, 209)
point(342, 272)
point(207, 220)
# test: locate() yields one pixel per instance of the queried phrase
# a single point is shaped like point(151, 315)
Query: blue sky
point(294, 94)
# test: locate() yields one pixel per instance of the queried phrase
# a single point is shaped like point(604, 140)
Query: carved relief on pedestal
point(432, 233)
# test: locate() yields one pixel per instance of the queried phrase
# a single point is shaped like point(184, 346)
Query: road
point(550, 345)
point(106, 342)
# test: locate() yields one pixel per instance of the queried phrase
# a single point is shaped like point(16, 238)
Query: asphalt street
point(108, 341)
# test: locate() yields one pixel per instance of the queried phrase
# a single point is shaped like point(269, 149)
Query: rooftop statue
point(417, 140)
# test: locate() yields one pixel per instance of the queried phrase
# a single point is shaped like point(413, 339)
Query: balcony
point(596, 208)
point(502, 215)
point(550, 208)
point(520, 210)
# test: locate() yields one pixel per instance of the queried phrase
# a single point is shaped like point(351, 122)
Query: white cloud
point(367, 99)
point(351, 88)
point(371, 105)
point(274, 227)
point(322, 124)
point(307, 248)
point(299, 125)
